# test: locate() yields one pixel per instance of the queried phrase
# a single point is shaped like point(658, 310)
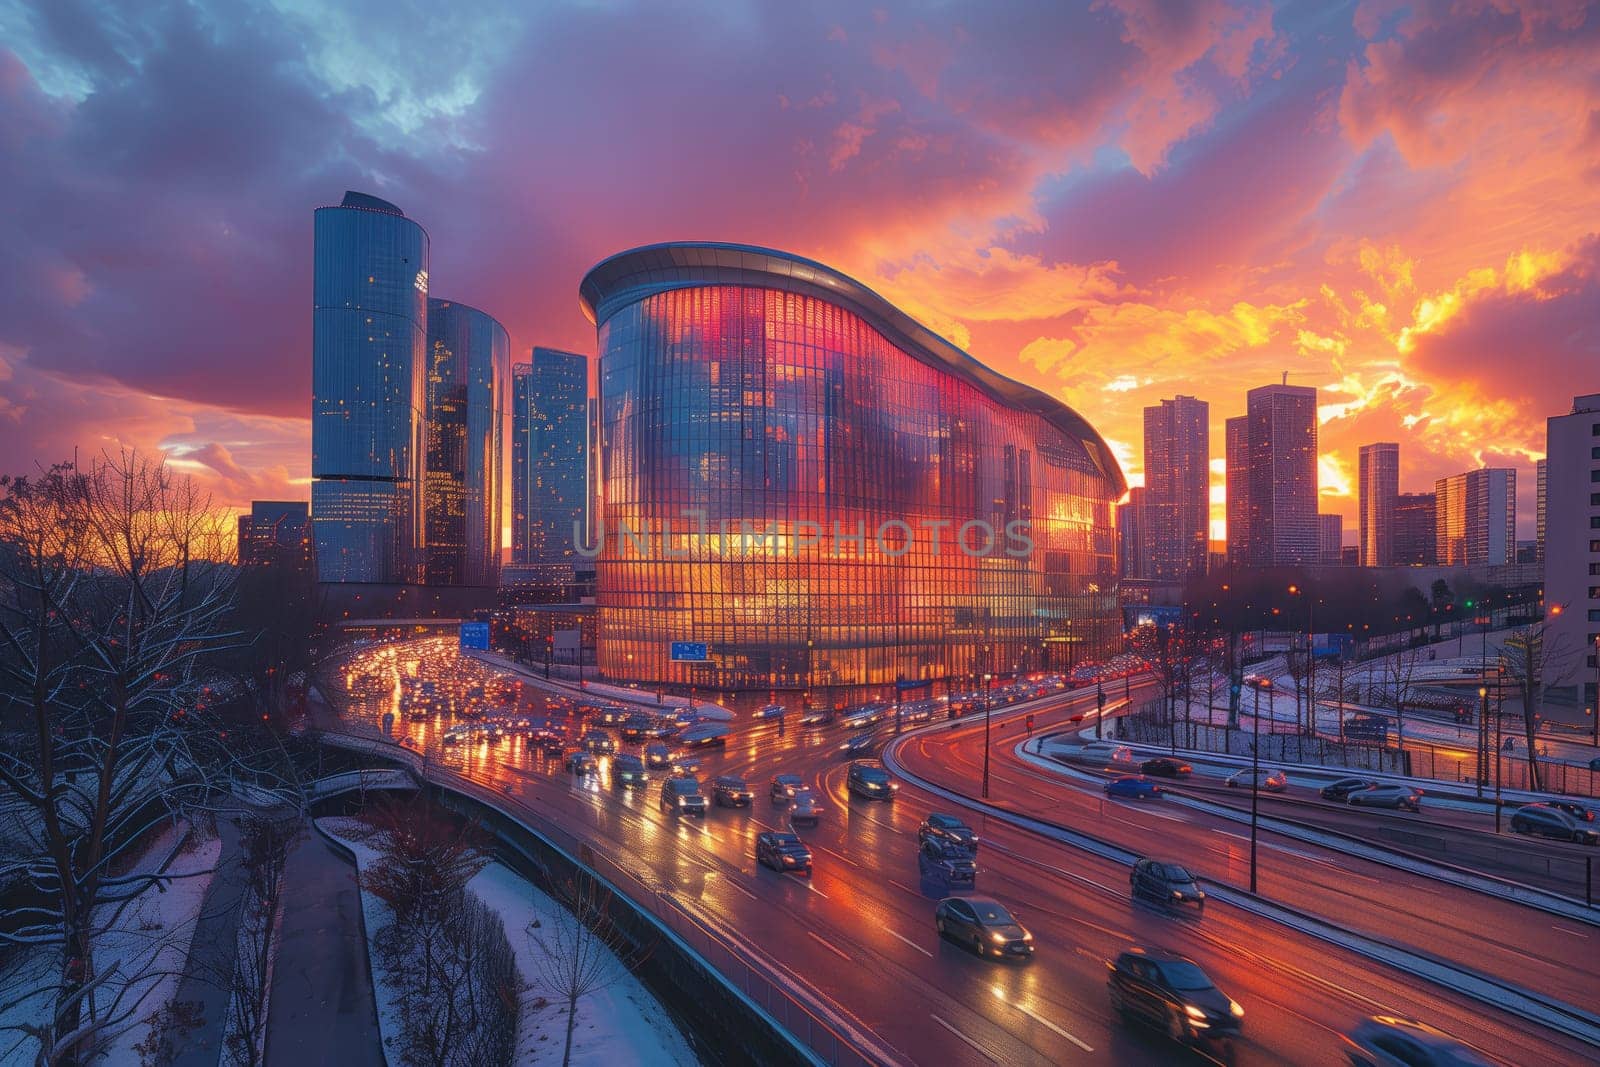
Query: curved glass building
point(821, 491)
point(469, 362)
point(368, 358)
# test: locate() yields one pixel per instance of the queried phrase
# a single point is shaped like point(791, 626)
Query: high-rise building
point(593, 500)
point(276, 533)
point(1379, 487)
point(368, 361)
point(469, 356)
point(861, 481)
point(1330, 538)
point(1130, 535)
point(1283, 529)
point(1237, 489)
point(1541, 470)
point(1414, 536)
point(1475, 518)
point(1177, 483)
point(549, 457)
point(1572, 552)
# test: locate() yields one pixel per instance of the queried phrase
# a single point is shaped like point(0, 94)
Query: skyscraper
point(1330, 538)
point(1378, 489)
point(1237, 488)
point(1177, 480)
point(276, 533)
point(469, 356)
point(1475, 518)
point(368, 346)
point(1283, 529)
point(1130, 535)
point(1572, 552)
point(549, 456)
point(1414, 536)
point(594, 499)
point(1541, 471)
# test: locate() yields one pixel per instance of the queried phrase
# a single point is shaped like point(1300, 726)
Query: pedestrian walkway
point(322, 1008)
point(208, 972)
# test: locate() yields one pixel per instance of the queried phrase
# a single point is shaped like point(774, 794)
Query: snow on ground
point(619, 1026)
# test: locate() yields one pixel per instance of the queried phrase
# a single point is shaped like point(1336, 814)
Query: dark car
point(600, 743)
point(682, 796)
point(547, 742)
point(627, 772)
point(1342, 789)
point(1167, 883)
point(582, 763)
point(1169, 992)
point(1541, 820)
point(857, 745)
point(783, 852)
point(611, 715)
point(730, 791)
point(638, 727)
point(1389, 1041)
point(657, 756)
point(869, 779)
point(1387, 796)
point(1166, 767)
point(948, 828)
point(983, 925)
point(947, 862)
point(784, 787)
point(1572, 808)
point(1133, 787)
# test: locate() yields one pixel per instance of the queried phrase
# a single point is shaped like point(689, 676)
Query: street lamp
point(988, 705)
point(1255, 784)
point(1483, 740)
point(1498, 719)
point(1100, 707)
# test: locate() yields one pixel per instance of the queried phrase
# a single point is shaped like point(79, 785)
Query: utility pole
point(1100, 703)
point(1255, 787)
point(988, 706)
point(1498, 719)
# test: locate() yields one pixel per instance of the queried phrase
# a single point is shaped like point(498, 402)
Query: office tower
point(1541, 471)
point(1379, 486)
point(1414, 538)
point(1572, 552)
point(1330, 539)
point(1283, 529)
point(1177, 481)
point(594, 498)
point(550, 461)
point(1475, 518)
point(1237, 489)
point(1130, 535)
point(469, 356)
point(368, 359)
point(276, 533)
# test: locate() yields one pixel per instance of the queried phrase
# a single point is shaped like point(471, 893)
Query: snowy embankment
point(620, 1025)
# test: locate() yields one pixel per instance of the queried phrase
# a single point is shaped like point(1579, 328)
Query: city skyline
point(1236, 196)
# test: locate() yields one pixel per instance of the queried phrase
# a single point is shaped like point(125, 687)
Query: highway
point(860, 931)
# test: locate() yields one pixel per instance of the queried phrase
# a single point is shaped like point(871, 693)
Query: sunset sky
point(1396, 203)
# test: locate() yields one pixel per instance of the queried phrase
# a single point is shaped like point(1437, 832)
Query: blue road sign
point(690, 652)
point(475, 635)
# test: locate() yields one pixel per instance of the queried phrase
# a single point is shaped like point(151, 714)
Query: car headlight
point(1235, 1010)
point(1194, 1012)
point(998, 938)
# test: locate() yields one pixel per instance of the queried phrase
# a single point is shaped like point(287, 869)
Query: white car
point(1271, 781)
point(1109, 753)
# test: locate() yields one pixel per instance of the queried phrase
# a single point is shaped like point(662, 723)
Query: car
point(611, 715)
point(1133, 787)
point(1342, 789)
point(1541, 820)
point(984, 925)
point(638, 727)
point(784, 787)
point(945, 861)
point(730, 791)
point(915, 712)
point(771, 711)
point(868, 779)
point(857, 745)
point(1170, 992)
point(817, 717)
point(948, 828)
point(783, 852)
point(599, 743)
point(657, 756)
point(1165, 883)
point(1270, 781)
point(582, 763)
point(681, 796)
point(1166, 767)
point(1594, 764)
point(1390, 1041)
point(628, 772)
point(1106, 753)
point(1572, 808)
point(805, 809)
point(1387, 796)
point(862, 717)
point(685, 766)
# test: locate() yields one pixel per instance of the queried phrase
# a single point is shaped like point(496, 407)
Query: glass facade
point(368, 351)
point(469, 356)
point(828, 492)
point(550, 457)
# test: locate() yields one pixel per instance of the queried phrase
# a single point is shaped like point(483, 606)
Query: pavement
point(859, 933)
point(207, 974)
point(322, 1009)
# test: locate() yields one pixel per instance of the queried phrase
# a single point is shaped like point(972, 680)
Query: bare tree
point(1399, 673)
point(1527, 656)
point(112, 603)
point(582, 950)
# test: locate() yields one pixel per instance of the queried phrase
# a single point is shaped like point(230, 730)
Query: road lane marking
point(979, 1049)
point(1574, 933)
point(904, 888)
point(731, 884)
point(910, 942)
point(817, 891)
point(1041, 1020)
point(825, 943)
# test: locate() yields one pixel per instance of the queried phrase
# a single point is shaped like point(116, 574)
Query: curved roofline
point(630, 276)
point(469, 307)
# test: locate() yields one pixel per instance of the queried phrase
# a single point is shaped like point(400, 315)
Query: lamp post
point(1100, 705)
point(1255, 786)
point(1483, 740)
point(1596, 724)
point(1498, 719)
point(988, 706)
